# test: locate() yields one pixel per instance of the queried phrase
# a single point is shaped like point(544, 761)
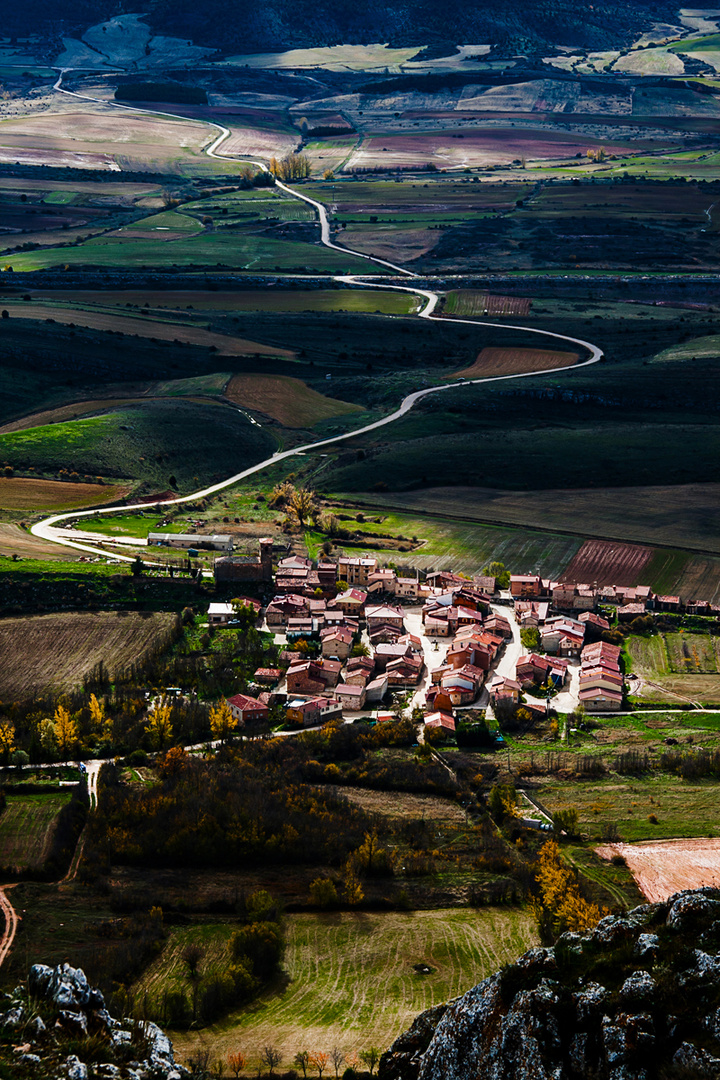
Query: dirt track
point(664, 867)
point(11, 921)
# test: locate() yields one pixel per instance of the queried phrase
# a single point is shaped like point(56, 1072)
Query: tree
point(97, 713)
point(530, 637)
point(271, 1057)
point(222, 722)
point(301, 506)
point(559, 905)
point(323, 892)
point(237, 1062)
point(66, 731)
point(159, 727)
point(47, 736)
point(318, 1060)
point(192, 954)
point(498, 571)
point(336, 1057)
point(302, 1060)
point(502, 801)
point(352, 889)
point(7, 738)
point(370, 1057)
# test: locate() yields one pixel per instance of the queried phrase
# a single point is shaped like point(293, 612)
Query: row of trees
point(311, 1061)
point(291, 167)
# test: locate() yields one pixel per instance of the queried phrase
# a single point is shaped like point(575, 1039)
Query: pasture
point(493, 361)
point(27, 826)
point(289, 401)
point(679, 668)
point(339, 965)
point(23, 493)
point(43, 653)
point(268, 299)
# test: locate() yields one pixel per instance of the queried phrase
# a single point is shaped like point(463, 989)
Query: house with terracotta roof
point(247, 710)
point(309, 712)
point(336, 642)
point(351, 602)
point(382, 581)
point(313, 677)
point(350, 696)
point(376, 689)
point(356, 570)
point(600, 700)
point(441, 721)
point(405, 671)
point(525, 585)
point(500, 688)
point(377, 615)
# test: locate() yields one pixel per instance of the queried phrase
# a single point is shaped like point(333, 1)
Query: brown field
point(144, 326)
point(390, 242)
point(491, 147)
point(493, 361)
point(287, 400)
point(664, 867)
point(608, 563)
point(20, 542)
point(703, 690)
point(56, 157)
point(22, 493)
point(54, 652)
point(399, 804)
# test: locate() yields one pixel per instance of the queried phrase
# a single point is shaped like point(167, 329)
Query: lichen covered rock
point(627, 1001)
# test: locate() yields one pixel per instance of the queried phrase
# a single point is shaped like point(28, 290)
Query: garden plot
point(662, 868)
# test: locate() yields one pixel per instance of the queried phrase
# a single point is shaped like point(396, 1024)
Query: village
point(355, 638)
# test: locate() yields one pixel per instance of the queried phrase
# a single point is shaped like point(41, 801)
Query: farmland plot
point(608, 563)
point(287, 400)
point(27, 826)
point(492, 361)
point(476, 302)
point(54, 652)
point(21, 493)
point(665, 867)
point(341, 964)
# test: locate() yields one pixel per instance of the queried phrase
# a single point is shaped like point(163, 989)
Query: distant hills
point(237, 26)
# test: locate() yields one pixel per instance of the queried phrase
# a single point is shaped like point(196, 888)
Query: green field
point(26, 830)
point(682, 808)
point(339, 965)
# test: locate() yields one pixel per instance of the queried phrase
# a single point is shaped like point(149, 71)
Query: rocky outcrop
point(638, 998)
point(59, 1010)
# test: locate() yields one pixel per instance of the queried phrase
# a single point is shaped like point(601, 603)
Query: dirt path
point(11, 922)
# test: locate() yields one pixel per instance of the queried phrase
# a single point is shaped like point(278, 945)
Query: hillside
point(234, 25)
point(636, 998)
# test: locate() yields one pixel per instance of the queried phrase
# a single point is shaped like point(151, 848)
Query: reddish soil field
point(664, 867)
point(608, 563)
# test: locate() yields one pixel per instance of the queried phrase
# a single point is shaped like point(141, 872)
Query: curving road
point(48, 528)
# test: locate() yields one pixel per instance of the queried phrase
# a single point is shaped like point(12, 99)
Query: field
point(608, 563)
point(16, 542)
point(399, 805)
point(493, 361)
point(669, 866)
point(44, 653)
point(21, 493)
point(340, 965)
point(287, 400)
point(143, 326)
point(677, 667)
point(476, 302)
point(682, 808)
point(268, 299)
point(26, 830)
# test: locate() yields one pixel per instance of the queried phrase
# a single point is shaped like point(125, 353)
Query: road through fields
point(49, 529)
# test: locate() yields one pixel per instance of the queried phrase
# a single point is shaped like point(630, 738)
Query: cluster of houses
point(348, 643)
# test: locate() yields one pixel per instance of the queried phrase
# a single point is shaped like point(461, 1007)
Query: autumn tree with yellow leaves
point(222, 722)
point(159, 726)
point(559, 905)
point(7, 738)
point(66, 732)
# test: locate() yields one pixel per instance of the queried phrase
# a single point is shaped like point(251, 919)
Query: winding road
point(48, 528)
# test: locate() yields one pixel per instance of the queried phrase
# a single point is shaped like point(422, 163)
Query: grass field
point(53, 652)
point(682, 808)
point(22, 493)
point(26, 829)
point(493, 361)
point(677, 667)
point(269, 299)
point(340, 965)
point(287, 400)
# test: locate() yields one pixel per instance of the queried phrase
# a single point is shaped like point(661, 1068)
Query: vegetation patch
point(23, 493)
point(27, 829)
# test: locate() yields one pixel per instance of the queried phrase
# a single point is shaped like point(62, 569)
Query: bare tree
point(302, 1060)
point(192, 954)
point(271, 1057)
point(336, 1057)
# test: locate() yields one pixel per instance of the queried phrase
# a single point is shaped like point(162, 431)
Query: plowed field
point(664, 867)
point(608, 563)
point(287, 400)
point(22, 493)
point(513, 361)
point(54, 652)
point(476, 302)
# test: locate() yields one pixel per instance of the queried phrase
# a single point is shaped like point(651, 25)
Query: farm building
point(351, 697)
point(246, 567)
point(190, 541)
point(220, 614)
